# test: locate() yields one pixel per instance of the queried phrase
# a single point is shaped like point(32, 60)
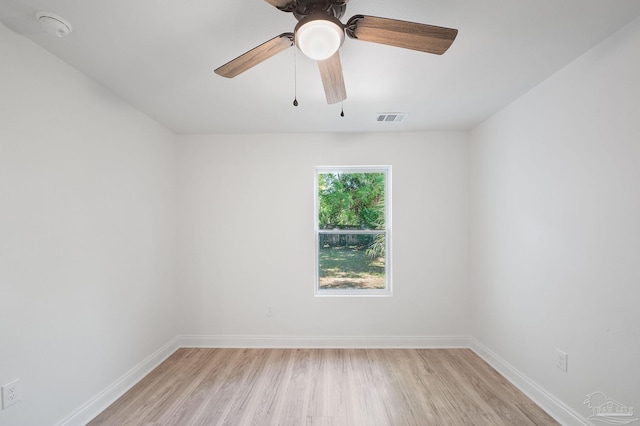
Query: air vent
point(392, 117)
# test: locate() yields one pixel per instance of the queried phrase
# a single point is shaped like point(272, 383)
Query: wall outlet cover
point(562, 360)
point(11, 393)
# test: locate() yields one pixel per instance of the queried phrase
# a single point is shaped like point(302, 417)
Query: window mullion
point(352, 231)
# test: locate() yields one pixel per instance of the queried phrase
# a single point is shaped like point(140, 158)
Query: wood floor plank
point(227, 405)
point(335, 387)
point(296, 391)
point(190, 403)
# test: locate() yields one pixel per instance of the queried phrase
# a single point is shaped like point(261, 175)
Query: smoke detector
point(54, 24)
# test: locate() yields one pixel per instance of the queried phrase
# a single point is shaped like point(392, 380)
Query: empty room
point(319, 212)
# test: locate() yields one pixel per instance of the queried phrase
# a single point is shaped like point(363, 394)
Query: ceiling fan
point(319, 34)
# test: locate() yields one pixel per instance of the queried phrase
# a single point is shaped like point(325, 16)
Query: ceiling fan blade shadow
point(409, 35)
point(333, 79)
point(256, 55)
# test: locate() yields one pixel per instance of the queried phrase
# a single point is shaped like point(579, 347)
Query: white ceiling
point(160, 55)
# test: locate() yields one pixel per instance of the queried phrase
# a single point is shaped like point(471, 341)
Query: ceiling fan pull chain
point(295, 78)
point(342, 109)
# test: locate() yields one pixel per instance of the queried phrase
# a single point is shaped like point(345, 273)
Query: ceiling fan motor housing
point(304, 8)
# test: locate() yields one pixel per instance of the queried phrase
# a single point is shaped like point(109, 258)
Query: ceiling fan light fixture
point(319, 37)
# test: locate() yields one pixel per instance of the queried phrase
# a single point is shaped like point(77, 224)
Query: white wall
point(247, 240)
point(555, 226)
point(86, 234)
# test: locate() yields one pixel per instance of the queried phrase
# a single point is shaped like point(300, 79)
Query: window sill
point(353, 293)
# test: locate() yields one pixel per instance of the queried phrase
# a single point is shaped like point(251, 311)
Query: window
point(353, 231)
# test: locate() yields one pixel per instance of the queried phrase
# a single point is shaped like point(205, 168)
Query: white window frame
point(388, 290)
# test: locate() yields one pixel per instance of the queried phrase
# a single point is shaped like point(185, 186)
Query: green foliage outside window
point(351, 200)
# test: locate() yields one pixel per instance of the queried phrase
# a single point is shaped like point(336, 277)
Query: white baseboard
point(98, 403)
point(403, 342)
point(553, 406)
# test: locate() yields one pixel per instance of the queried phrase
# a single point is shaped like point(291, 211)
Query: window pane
point(350, 261)
point(351, 200)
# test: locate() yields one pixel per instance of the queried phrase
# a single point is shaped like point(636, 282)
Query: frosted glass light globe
point(319, 39)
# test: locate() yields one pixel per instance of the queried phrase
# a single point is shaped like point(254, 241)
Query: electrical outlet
point(11, 394)
point(269, 311)
point(562, 360)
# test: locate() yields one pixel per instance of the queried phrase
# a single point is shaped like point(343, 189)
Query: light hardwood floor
point(326, 387)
